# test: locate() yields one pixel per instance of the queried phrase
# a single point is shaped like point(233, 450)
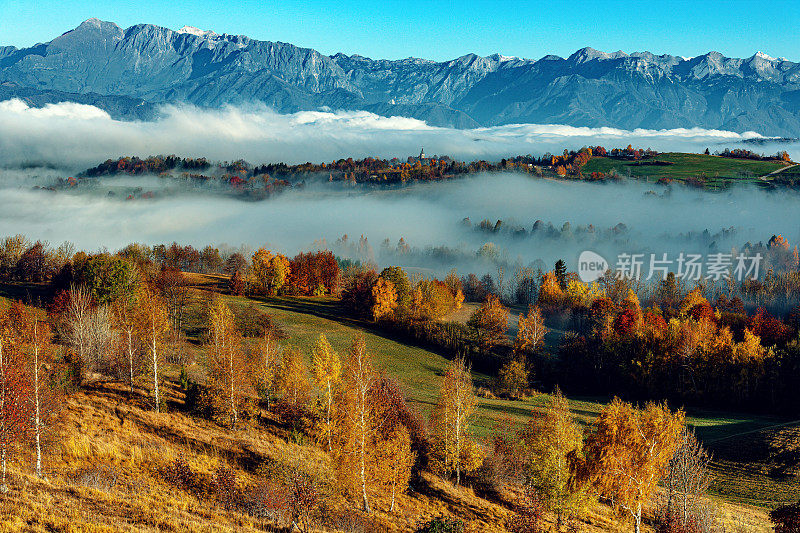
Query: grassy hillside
point(681, 166)
point(749, 467)
point(110, 454)
point(108, 463)
point(107, 470)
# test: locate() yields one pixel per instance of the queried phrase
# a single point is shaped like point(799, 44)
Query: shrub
point(226, 487)
point(529, 517)
point(268, 500)
point(786, 518)
point(442, 524)
point(180, 474)
point(252, 322)
point(304, 498)
point(101, 477)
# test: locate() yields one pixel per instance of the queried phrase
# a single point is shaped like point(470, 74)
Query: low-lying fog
point(427, 215)
point(38, 146)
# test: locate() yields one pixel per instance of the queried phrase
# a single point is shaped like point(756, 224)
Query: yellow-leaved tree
point(452, 448)
point(384, 299)
point(628, 452)
point(153, 329)
point(550, 292)
point(530, 331)
point(357, 424)
point(292, 382)
point(395, 461)
point(269, 272)
point(550, 442)
point(327, 369)
point(372, 438)
point(227, 365)
point(264, 366)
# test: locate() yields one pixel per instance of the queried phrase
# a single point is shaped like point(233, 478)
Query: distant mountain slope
point(119, 107)
point(152, 64)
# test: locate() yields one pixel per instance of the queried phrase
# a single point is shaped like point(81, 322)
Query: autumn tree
point(530, 331)
point(269, 272)
point(173, 286)
point(79, 311)
point(292, 382)
point(628, 453)
point(432, 299)
point(512, 378)
point(400, 438)
point(394, 460)
point(14, 393)
point(106, 277)
point(550, 441)
point(44, 403)
point(237, 284)
point(550, 292)
point(127, 319)
point(384, 299)
point(327, 370)
point(399, 280)
point(357, 424)
point(452, 447)
point(489, 322)
point(43, 396)
point(314, 273)
point(687, 480)
point(228, 367)
point(264, 359)
point(153, 327)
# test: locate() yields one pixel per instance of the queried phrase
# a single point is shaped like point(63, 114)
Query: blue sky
point(444, 29)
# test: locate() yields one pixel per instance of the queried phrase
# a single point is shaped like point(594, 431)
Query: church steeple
point(422, 154)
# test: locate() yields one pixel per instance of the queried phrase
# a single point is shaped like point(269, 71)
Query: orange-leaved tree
point(489, 322)
point(384, 299)
point(127, 314)
point(628, 453)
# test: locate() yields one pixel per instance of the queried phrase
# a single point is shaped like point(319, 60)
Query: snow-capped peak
point(762, 55)
point(196, 31)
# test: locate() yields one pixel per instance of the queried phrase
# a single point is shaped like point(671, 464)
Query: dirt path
point(774, 172)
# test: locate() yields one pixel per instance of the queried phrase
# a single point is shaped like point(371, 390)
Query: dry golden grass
point(104, 472)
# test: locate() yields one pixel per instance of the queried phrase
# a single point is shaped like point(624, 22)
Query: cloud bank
point(75, 136)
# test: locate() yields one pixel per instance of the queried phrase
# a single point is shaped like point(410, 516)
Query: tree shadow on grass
point(334, 311)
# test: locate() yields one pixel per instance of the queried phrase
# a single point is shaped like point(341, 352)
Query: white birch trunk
point(37, 402)
point(155, 368)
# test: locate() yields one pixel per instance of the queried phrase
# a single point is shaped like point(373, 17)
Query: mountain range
point(129, 72)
